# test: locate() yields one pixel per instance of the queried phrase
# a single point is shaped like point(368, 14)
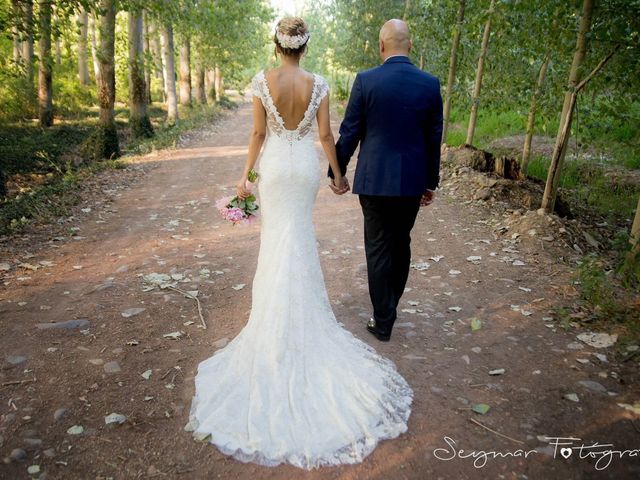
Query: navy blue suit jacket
point(395, 113)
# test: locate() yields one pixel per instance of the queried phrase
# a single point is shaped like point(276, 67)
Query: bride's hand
point(241, 189)
point(339, 185)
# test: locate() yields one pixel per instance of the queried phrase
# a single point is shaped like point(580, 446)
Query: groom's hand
point(427, 198)
point(340, 189)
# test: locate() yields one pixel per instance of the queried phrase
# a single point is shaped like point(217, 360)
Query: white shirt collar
point(399, 55)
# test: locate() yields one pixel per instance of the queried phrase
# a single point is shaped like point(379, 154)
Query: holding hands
point(339, 185)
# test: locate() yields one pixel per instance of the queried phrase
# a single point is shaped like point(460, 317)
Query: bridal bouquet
point(238, 210)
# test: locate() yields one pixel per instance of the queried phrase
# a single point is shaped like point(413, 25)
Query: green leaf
point(481, 408)
point(476, 324)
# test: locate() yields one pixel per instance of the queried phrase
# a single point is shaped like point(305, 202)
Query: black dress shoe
point(380, 335)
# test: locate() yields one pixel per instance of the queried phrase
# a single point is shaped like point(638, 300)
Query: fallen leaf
point(436, 258)
point(497, 371)
point(174, 335)
point(454, 272)
point(572, 397)
point(455, 309)
point(480, 408)
point(28, 266)
point(146, 374)
point(115, 418)
point(239, 286)
point(635, 408)
point(75, 430)
point(131, 312)
point(476, 324)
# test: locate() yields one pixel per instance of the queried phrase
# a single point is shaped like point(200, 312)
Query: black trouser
point(387, 226)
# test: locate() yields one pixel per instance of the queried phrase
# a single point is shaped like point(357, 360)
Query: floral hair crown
point(291, 41)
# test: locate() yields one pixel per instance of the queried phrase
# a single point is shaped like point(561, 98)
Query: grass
point(40, 159)
point(586, 182)
point(588, 187)
point(609, 292)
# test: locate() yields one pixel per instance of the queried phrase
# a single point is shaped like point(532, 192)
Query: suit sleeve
point(434, 139)
point(351, 128)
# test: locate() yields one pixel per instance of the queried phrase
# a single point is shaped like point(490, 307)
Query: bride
point(294, 386)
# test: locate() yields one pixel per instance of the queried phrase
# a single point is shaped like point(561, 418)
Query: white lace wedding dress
point(294, 386)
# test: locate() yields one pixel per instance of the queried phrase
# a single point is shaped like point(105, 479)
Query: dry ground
point(166, 223)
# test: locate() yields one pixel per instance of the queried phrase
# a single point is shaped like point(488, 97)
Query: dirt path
point(167, 223)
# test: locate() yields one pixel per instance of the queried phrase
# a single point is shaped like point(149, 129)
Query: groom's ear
point(410, 46)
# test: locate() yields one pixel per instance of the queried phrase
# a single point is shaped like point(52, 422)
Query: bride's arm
point(256, 140)
point(327, 140)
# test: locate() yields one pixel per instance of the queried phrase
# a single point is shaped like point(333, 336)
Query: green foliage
point(50, 201)
point(602, 290)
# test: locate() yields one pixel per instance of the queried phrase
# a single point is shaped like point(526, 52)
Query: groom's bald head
point(394, 39)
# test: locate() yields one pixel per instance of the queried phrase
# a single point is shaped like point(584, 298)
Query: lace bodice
point(275, 123)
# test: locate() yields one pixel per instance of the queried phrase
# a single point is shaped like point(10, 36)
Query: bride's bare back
point(291, 90)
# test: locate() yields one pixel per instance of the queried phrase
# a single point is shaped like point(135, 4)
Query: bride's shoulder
point(322, 86)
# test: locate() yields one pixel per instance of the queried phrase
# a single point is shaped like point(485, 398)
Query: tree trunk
point(148, 65)
point(453, 65)
point(210, 85)
point(138, 116)
point(200, 93)
point(531, 118)
point(478, 83)
point(15, 33)
point(564, 129)
point(218, 83)
point(94, 48)
point(166, 36)
point(156, 50)
point(27, 42)
point(407, 9)
point(185, 72)
point(45, 67)
point(106, 145)
point(83, 66)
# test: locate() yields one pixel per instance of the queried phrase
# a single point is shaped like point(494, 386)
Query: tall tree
point(453, 64)
point(27, 41)
point(169, 70)
point(138, 115)
point(15, 32)
point(210, 86)
point(93, 33)
point(148, 64)
point(106, 142)
point(479, 73)
point(45, 67)
point(200, 94)
point(564, 129)
point(83, 30)
point(185, 71)
point(156, 51)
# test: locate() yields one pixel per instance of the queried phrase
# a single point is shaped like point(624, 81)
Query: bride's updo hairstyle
point(291, 36)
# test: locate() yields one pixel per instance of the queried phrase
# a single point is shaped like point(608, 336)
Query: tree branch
point(602, 63)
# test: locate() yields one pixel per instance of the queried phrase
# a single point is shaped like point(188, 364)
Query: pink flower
point(237, 215)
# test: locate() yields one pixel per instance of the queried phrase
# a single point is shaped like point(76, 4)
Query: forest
point(124, 129)
point(551, 83)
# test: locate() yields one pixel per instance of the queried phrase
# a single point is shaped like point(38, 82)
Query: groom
point(395, 114)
